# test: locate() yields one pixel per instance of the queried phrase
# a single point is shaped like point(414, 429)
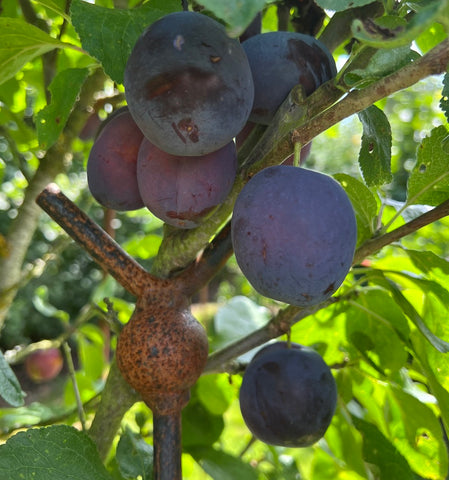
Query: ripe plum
point(279, 61)
point(111, 167)
point(188, 85)
point(294, 234)
point(288, 395)
point(183, 190)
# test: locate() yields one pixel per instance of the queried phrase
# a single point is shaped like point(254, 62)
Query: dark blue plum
point(111, 166)
point(188, 84)
point(288, 395)
point(281, 60)
point(183, 190)
point(294, 234)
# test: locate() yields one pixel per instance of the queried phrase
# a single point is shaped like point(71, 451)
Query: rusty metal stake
point(140, 283)
point(167, 446)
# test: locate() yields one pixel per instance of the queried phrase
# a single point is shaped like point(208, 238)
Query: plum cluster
point(189, 91)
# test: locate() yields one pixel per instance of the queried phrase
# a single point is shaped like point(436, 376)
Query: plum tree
point(294, 233)
point(182, 190)
point(285, 59)
point(288, 395)
point(188, 84)
point(111, 166)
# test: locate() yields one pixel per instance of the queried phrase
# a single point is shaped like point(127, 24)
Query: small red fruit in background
point(44, 365)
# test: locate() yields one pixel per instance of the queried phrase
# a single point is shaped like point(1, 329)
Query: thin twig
point(72, 374)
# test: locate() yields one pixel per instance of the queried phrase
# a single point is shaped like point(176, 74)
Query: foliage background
point(392, 373)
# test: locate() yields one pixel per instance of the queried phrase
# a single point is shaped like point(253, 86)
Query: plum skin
point(112, 163)
point(183, 190)
point(294, 234)
point(288, 395)
point(188, 85)
point(285, 59)
point(44, 365)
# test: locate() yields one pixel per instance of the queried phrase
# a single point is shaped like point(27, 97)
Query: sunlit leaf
point(429, 181)
point(364, 204)
point(418, 436)
point(54, 6)
point(379, 451)
point(378, 329)
point(21, 42)
point(215, 392)
point(51, 120)
point(414, 316)
point(427, 261)
point(375, 152)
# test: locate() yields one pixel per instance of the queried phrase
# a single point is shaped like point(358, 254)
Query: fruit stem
point(103, 249)
point(167, 446)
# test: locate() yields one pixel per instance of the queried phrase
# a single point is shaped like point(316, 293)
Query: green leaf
point(345, 441)
point(378, 329)
point(200, 427)
point(340, 5)
point(222, 466)
point(36, 413)
point(215, 392)
point(435, 367)
point(110, 34)
point(379, 451)
point(52, 453)
point(382, 63)
point(21, 42)
point(364, 204)
point(51, 120)
point(444, 102)
point(144, 247)
point(134, 456)
point(429, 181)
point(377, 35)
point(418, 436)
point(55, 7)
point(427, 261)
point(10, 389)
point(375, 152)
point(236, 14)
point(236, 319)
point(415, 317)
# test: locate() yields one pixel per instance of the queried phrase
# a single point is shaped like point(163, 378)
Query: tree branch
point(375, 244)
point(104, 250)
